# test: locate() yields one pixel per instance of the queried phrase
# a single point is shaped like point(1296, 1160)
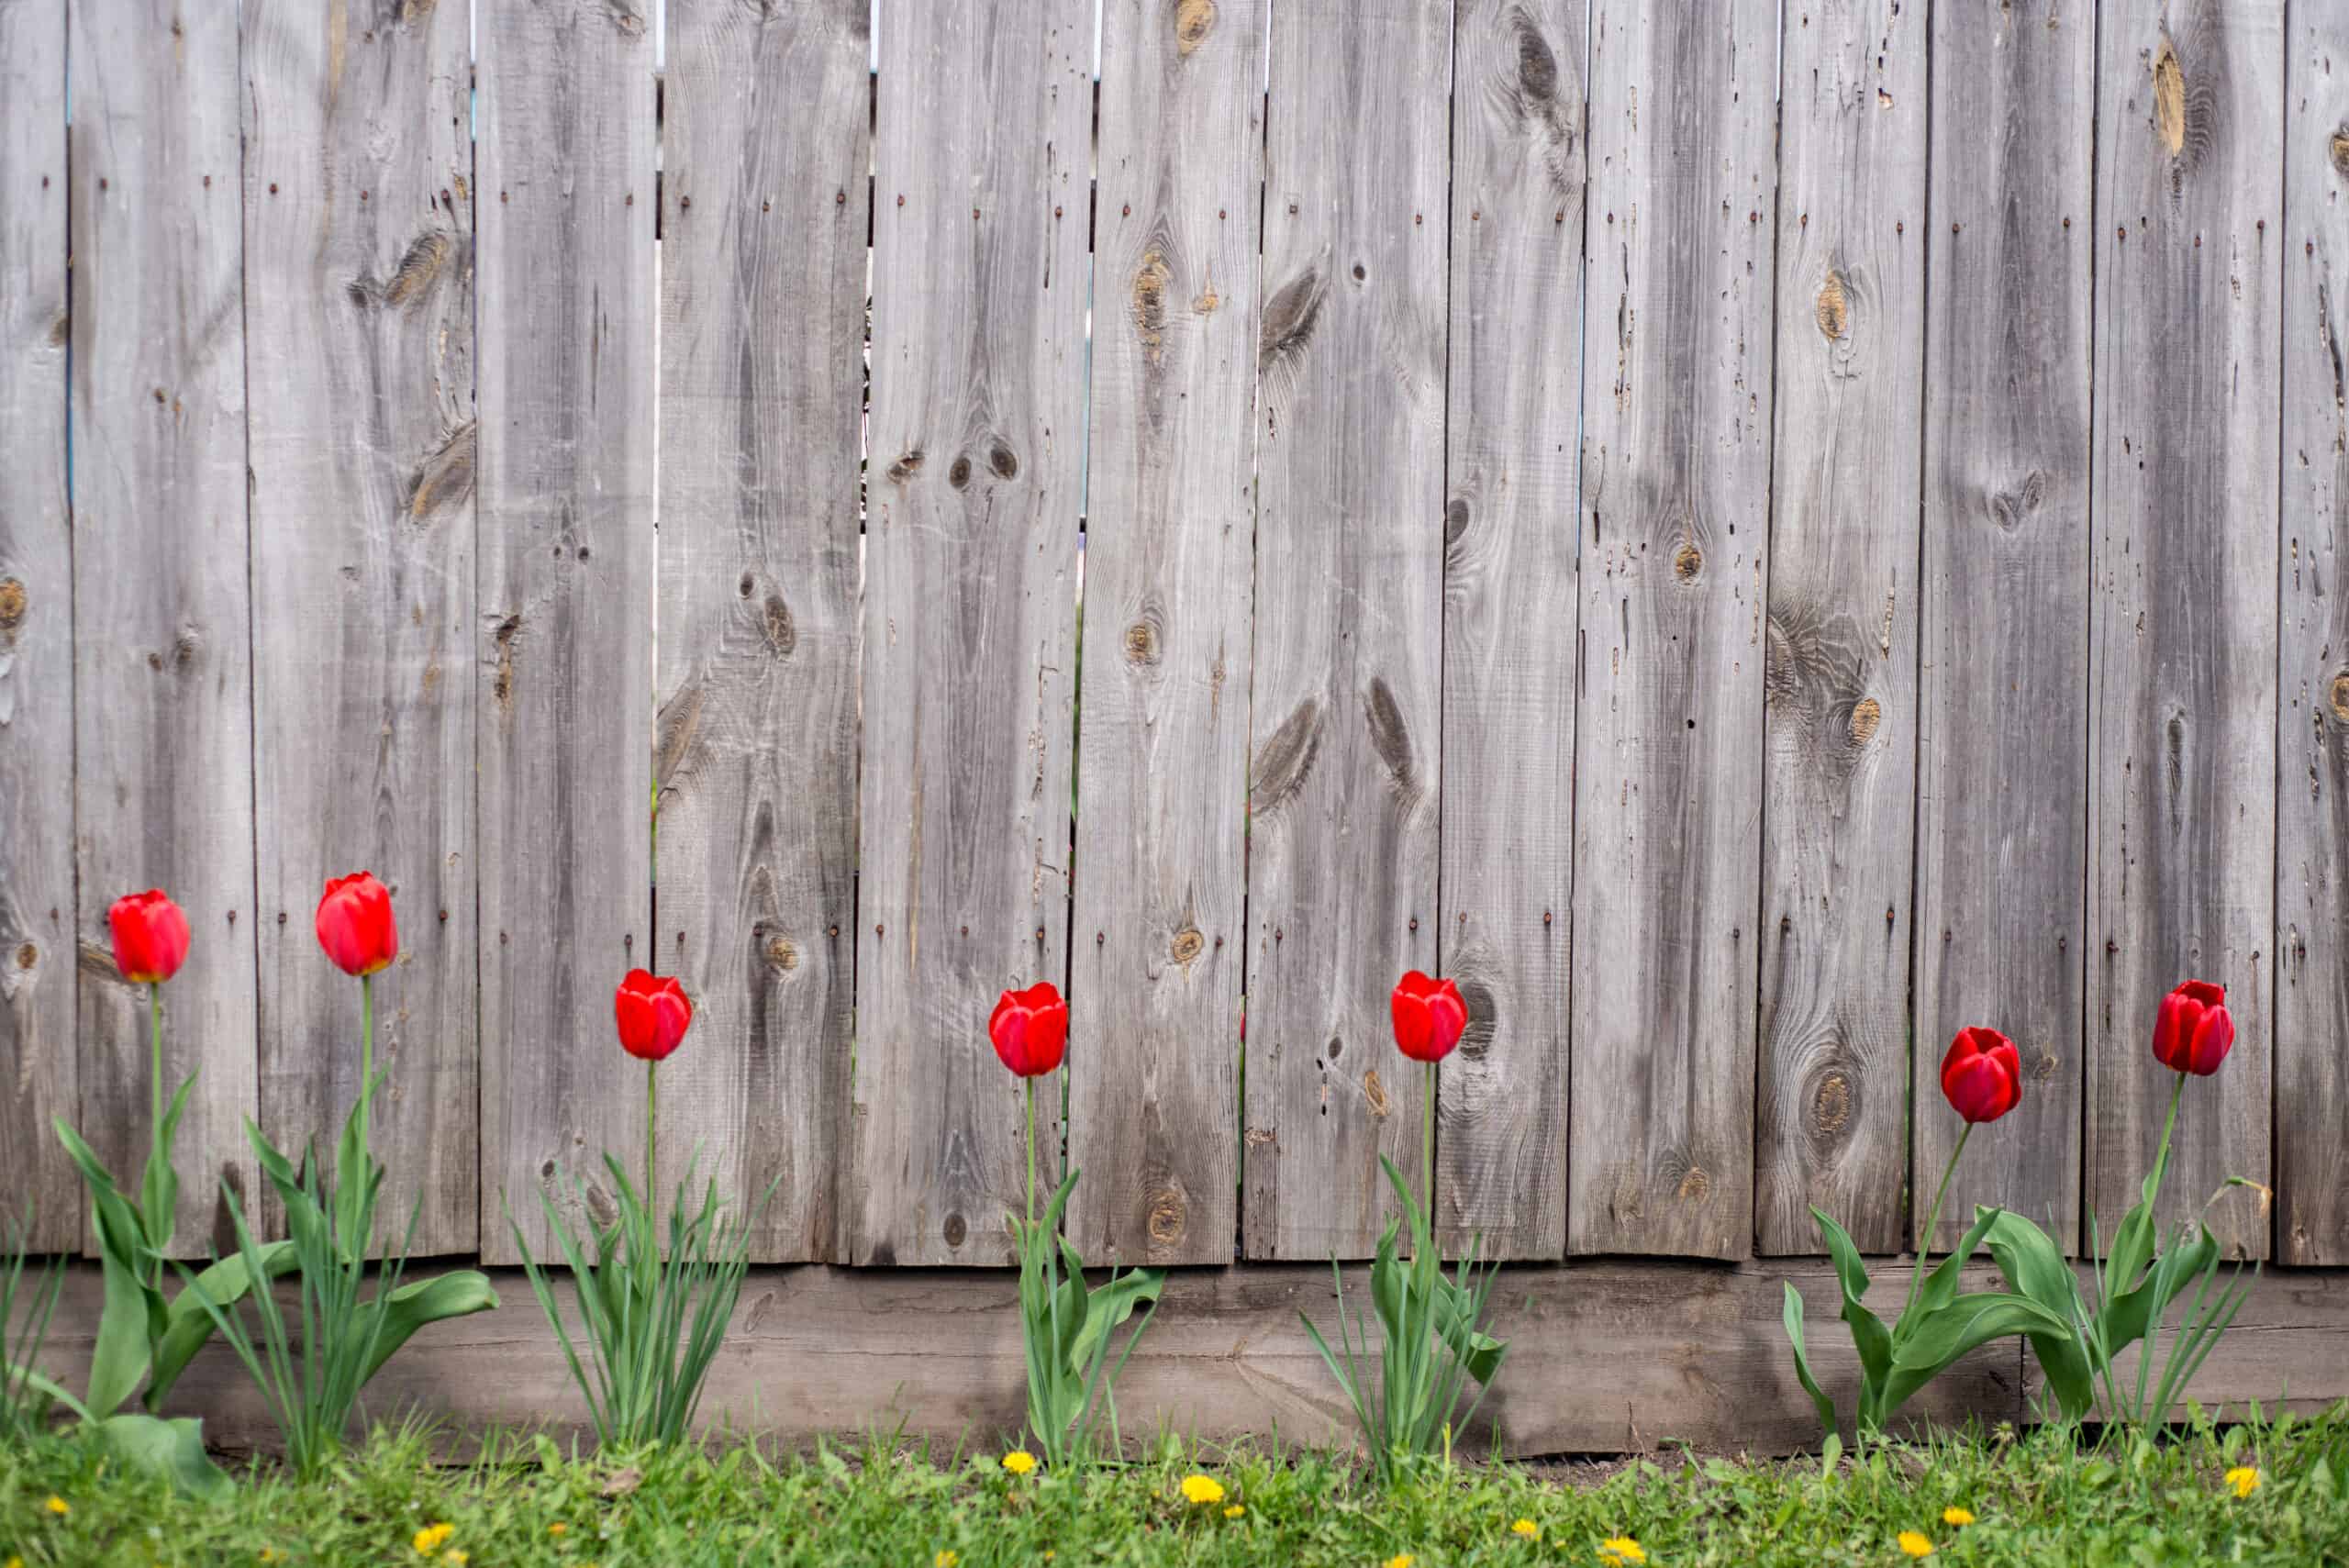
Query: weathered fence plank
point(2183, 627)
point(1169, 560)
point(564, 637)
point(1839, 804)
point(359, 328)
point(980, 279)
point(38, 1050)
point(2003, 686)
point(163, 678)
point(2312, 732)
point(1509, 619)
point(762, 264)
point(1345, 723)
point(1669, 747)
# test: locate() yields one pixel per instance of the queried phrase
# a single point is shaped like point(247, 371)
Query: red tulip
point(2194, 1031)
point(1982, 1075)
point(1429, 1016)
point(150, 936)
point(1030, 1029)
point(653, 1015)
point(355, 924)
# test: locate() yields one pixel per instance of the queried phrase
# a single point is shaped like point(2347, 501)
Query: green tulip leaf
point(159, 1191)
point(132, 1315)
point(2032, 1265)
point(414, 1304)
point(188, 1325)
point(1456, 1324)
point(1793, 1318)
point(173, 1449)
point(1869, 1335)
point(1941, 1286)
point(1112, 1305)
point(1965, 1323)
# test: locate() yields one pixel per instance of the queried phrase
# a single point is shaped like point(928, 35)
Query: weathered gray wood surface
point(38, 1048)
point(1345, 741)
point(1509, 619)
point(975, 485)
point(2313, 726)
point(1612, 1357)
point(2003, 681)
point(1675, 512)
point(765, 207)
point(1163, 737)
point(2182, 616)
point(359, 386)
point(163, 678)
point(1839, 803)
point(562, 639)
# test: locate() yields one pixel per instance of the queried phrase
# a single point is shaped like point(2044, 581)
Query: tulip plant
point(1435, 1337)
point(1982, 1080)
point(654, 1321)
point(312, 1379)
point(1065, 1328)
point(2136, 1283)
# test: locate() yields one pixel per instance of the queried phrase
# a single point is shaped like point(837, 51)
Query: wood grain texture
point(2182, 619)
point(38, 1054)
point(1346, 755)
point(1162, 768)
point(1508, 620)
point(359, 332)
point(563, 620)
point(1623, 1356)
point(1839, 808)
point(163, 678)
point(2312, 726)
point(762, 275)
point(975, 485)
point(1675, 512)
point(2003, 680)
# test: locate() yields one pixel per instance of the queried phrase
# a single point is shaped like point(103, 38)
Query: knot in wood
point(781, 954)
point(2341, 696)
point(27, 955)
point(1867, 714)
point(957, 1229)
point(1382, 1104)
point(1830, 1106)
point(1142, 643)
point(2339, 148)
point(1695, 1186)
point(1186, 945)
point(1834, 309)
point(1686, 561)
point(12, 603)
point(1194, 20)
point(1169, 1216)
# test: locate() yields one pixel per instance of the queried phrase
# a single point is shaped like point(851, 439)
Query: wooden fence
point(1750, 543)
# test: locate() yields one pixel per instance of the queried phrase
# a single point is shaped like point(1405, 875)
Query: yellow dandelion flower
point(1915, 1543)
point(948, 1558)
point(270, 1554)
point(455, 1559)
point(1234, 1511)
point(431, 1538)
point(1401, 1560)
point(1202, 1490)
point(59, 1506)
point(15, 1562)
point(1527, 1528)
point(2244, 1478)
point(1958, 1517)
point(1622, 1551)
point(557, 1528)
point(1019, 1461)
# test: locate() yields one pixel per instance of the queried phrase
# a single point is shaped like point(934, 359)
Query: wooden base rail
point(1615, 1356)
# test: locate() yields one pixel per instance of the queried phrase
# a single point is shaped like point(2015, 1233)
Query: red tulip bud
point(1030, 1029)
point(1429, 1016)
point(2194, 1031)
point(150, 936)
point(355, 924)
point(1982, 1075)
point(653, 1015)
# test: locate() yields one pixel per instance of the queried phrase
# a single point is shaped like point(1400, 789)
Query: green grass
point(2037, 1499)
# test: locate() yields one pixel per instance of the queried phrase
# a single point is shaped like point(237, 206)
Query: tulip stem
point(162, 1222)
point(366, 1068)
point(1427, 1153)
point(1030, 1082)
point(1933, 1218)
point(652, 1125)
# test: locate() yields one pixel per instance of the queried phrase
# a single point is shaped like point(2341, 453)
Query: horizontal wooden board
point(1606, 1357)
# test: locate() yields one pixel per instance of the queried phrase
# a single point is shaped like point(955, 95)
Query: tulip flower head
point(355, 925)
point(2194, 1030)
point(1029, 1030)
point(653, 1015)
point(1982, 1075)
point(150, 937)
point(1429, 1016)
